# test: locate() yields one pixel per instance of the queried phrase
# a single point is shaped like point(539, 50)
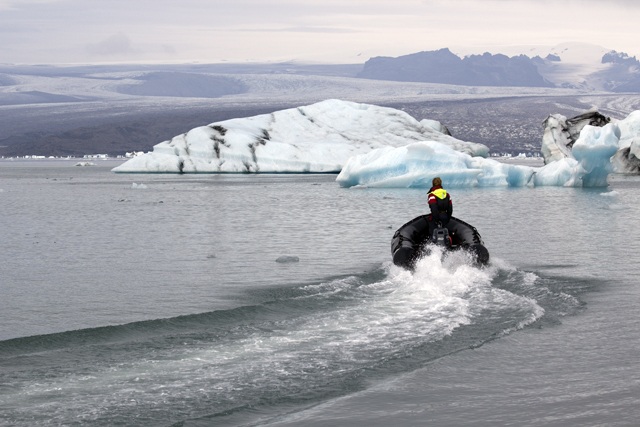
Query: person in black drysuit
point(439, 204)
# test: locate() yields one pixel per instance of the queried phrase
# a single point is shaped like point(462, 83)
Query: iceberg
point(561, 133)
point(415, 166)
point(590, 162)
point(593, 150)
point(556, 174)
point(627, 158)
point(317, 138)
point(586, 163)
point(585, 158)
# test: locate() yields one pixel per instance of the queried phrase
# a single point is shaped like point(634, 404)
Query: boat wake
point(299, 346)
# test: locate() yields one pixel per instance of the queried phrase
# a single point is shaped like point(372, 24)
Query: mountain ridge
point(569, 65)
point(443, 66)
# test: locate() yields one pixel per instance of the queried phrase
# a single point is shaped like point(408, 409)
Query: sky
point(315, 31)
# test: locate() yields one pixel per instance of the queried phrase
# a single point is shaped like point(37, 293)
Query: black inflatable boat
point(411, 240)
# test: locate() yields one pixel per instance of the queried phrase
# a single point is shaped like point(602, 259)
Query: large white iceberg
point(415, 166)
point(316, 138)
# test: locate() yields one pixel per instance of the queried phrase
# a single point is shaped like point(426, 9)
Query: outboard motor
point(441, 237)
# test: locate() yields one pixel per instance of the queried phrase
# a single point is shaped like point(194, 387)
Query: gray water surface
point(165, 305)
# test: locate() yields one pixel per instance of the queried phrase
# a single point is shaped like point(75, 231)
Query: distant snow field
point(242, 89)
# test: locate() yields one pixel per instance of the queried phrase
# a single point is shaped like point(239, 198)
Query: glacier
point(317, 138)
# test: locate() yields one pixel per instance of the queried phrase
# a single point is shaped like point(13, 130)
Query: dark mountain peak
point(623, 75)
point(443, 66)
point(442, 54)
point(619, 58)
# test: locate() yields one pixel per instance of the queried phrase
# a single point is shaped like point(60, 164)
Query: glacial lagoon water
point(163, 303)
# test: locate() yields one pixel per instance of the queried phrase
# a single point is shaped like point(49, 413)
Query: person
point(439, 204)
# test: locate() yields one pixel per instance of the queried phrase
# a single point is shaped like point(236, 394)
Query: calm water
point(165, 305)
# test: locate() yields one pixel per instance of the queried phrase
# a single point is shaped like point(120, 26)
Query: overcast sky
point(332, 31)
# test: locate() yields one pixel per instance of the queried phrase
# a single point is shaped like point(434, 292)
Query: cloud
point(115, 45)
point(37, 31)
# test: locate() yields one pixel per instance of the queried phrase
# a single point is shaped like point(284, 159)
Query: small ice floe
point(616, 207)
point(138, 186)
point(287, 259)
point(85, 164)
point(211, 256)
point(612, 197)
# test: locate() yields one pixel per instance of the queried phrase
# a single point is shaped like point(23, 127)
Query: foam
point(314, 343)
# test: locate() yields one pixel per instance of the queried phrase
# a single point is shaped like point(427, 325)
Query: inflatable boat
point(412, 240)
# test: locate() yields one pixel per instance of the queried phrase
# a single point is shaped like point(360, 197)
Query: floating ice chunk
point(415, 166)
point(593, 150)
point(555, 139)
point(495, 174)
point(591, 163)
point(561, 133)
point(612, 196)
point(629, 129)
point(287, 259)
point(139, 186)
point(85, 164)
point(616, 207)
point(314, 138)
point(557, 173)
point(627, 159)
point(577, 138)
